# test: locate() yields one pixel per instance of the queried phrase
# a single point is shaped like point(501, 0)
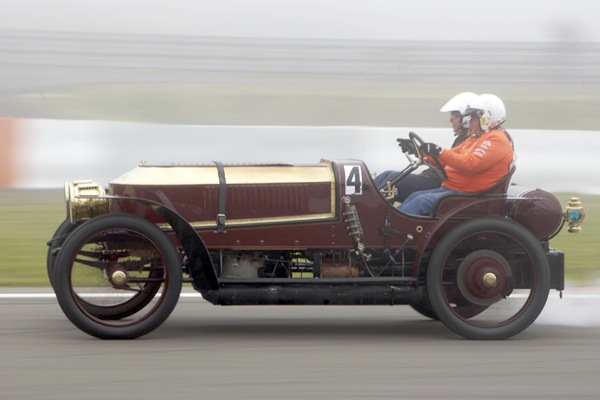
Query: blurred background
point(89, 89)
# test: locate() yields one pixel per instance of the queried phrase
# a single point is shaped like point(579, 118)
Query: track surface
point(209, 352)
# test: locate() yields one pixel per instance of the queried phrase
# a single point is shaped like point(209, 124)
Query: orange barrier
point(8, 129)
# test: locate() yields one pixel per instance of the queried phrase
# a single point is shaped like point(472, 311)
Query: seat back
point(496, 196)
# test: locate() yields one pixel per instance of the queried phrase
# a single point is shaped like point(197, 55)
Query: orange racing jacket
point(479, 162)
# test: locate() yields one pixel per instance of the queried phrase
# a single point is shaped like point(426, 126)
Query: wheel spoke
point(98, 273)
point(488, 279)
point(120, 276)
point(481, 280)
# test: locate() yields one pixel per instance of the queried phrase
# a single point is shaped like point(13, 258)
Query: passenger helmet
point(459, 103)
point(489, 109)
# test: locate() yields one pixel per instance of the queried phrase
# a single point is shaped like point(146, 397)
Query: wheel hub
point(483, 277)
point(118, 277)
point(490, 279)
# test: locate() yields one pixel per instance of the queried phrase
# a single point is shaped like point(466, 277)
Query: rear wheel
point(117, 277)
point(423, 306)
point(488, 279)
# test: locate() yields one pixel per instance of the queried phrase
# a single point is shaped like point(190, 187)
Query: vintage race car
point(324, 234)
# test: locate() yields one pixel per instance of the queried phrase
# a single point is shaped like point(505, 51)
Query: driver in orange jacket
point(432, 177)
point(478, 163)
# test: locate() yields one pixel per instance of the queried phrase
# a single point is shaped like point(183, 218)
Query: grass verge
point(28, 218)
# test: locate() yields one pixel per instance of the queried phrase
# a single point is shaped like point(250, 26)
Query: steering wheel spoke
point(425, 158)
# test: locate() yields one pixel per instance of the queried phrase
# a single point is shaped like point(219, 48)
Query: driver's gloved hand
point(431, 149)
point(407, 146)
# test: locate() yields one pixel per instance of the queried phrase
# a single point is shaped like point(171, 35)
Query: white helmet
point(459, 103)
point(489, 109)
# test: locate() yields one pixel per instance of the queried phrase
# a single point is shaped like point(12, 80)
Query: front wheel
point(117, 276)
point(54, 245)
point(488, 279)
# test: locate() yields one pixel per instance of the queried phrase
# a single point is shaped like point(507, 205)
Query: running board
point(371, 281)
point(301, 291)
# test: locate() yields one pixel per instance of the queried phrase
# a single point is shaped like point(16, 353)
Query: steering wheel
point(418, 142)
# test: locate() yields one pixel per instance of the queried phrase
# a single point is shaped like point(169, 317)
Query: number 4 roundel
point(353, 179)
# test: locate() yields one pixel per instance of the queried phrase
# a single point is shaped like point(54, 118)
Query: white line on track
point(12, 296)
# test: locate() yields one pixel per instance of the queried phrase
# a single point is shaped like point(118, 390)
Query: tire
point(425, 309)
point(488, 279)
point(56, 242)
point(119, 311)
point(423, 306)
point(117, 276)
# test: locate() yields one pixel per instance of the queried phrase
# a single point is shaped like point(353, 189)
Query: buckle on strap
point(222, 198)
point(221, 223)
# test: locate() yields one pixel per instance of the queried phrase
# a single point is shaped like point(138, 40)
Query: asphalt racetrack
point(280, 352)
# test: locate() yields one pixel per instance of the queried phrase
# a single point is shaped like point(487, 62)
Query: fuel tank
point(537, 210)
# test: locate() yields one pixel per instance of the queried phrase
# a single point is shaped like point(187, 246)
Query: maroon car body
point(320, 234)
